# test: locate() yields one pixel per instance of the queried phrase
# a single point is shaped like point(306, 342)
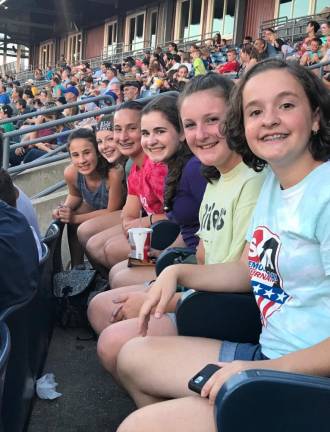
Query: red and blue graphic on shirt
point(265, 277)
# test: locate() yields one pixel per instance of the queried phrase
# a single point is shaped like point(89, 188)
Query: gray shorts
point(230, 351)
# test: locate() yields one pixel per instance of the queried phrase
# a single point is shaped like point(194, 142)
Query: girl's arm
point(226, 277)
point(65, 211)
point(310, 361)
point(115, 180)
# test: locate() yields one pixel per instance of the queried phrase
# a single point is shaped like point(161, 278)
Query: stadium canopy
point(28, 22)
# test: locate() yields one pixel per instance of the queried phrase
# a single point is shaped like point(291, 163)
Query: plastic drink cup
point(140, 241)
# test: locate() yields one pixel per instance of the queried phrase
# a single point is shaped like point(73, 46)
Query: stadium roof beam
point(8, 21)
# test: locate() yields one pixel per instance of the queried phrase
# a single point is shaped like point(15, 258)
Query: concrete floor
point(91, 400)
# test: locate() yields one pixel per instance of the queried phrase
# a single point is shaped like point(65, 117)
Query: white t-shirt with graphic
point(289, 262)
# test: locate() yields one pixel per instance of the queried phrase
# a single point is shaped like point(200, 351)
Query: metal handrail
point(320, 66)
point(50, 189)
point(8, 135)
point(40, 139)
point(20, 168)
point(57, 108)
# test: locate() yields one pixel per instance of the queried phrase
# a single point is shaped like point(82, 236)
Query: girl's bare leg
point(95, 245)
point(121, 275)
point(188, 414)
point(116, 335)
point(159, 368)
point(96, 225)
point(101, 307)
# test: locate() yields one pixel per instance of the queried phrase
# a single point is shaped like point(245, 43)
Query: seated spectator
point(325, 32)
point(232, 64)
point(172, 48)
point(49, 73)
point(5, 113)
point(265, 50)
point(16, 198)
point(95, 188)
point(224, 214)
point(111, 76)
point(22, 108)
point(145, 190)
point(295, 334)
point(56, 86)
point(131, 90)
point(272, 39)
point(38, 75)
point(71, 94)
point(109, 151)
point(45, 96)
point(247, 40)
point(179, 79)
point(19, 270)
point(4, 97)
point(174, 63)
point(311, 29)
point(248, 58)
point(217, 41)
point(314, 55)
point(198, 65)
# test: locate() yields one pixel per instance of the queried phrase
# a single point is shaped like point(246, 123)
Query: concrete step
point(37, 179)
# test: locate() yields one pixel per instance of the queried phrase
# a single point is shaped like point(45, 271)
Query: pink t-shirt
point(148, 184)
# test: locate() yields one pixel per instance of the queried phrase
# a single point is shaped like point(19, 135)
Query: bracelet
point(150, 219)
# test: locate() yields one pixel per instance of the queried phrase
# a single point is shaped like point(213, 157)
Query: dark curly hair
point(317, 95)
point(167, 105)
point(222, 87)
point(103, 165)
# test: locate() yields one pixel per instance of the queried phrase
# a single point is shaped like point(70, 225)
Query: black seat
point(19, 387)
point(4, 356)
point(254, 400)
point(249, 400)
point(164, 233)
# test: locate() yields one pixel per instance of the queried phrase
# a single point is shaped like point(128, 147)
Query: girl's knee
point(84, 233)
point(97, 313)
point(108, 347)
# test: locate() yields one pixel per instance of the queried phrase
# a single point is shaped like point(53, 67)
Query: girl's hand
point(213, 385)
point(66, 214)
point(158, 297)
point(130, 305)
point(56, 213)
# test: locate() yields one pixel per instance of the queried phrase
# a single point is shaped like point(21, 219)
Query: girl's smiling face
point(202, 114)
point(278, 119)
point(107, 146)
point(160, 140)
point(83, 155)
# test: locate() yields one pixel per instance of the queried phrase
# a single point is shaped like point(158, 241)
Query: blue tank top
point(98, 199)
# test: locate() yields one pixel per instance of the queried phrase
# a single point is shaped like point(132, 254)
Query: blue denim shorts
point(231, 351)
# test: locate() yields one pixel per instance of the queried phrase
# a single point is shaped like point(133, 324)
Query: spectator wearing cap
point(71, 94)
point(131, 90)
point(111, 75)
point(4, 97)
point(6, 112)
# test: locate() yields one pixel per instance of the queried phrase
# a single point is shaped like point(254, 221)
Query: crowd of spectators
point(197, 158)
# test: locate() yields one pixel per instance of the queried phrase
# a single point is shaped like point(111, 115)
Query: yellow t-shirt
point(226, 211)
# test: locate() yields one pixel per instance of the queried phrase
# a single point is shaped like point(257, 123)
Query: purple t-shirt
point(187, 201)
